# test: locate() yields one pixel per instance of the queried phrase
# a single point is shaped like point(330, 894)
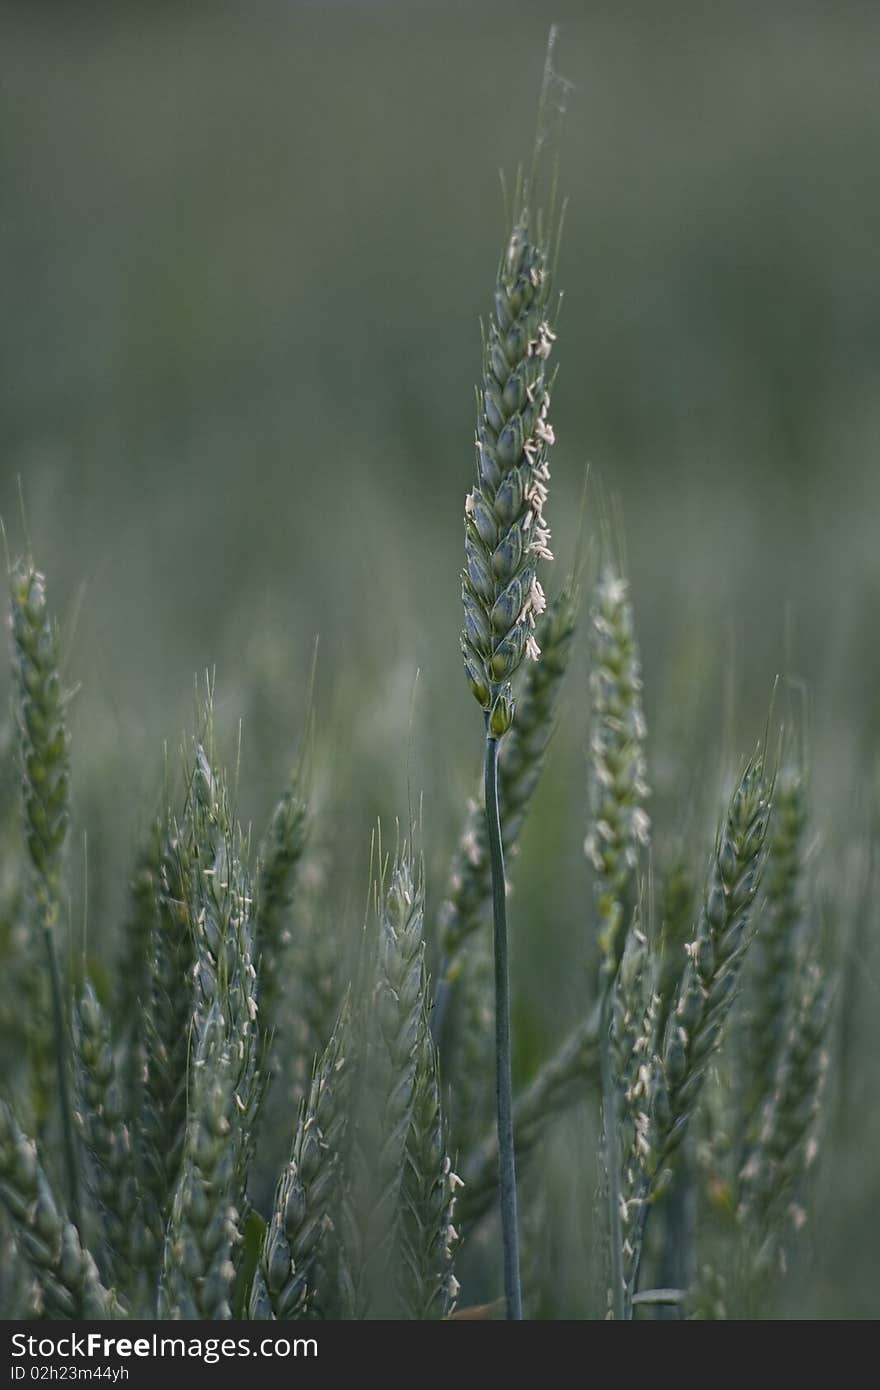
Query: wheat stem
point(503, 1070)
point(611, 1124)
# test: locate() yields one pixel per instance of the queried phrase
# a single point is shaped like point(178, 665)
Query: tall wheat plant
point(506, 536)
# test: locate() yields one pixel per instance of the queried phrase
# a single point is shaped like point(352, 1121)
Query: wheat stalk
point(389, 1031)
point(765, 1021)
point(166, 1036)
point(706, 994)
point(280, 857)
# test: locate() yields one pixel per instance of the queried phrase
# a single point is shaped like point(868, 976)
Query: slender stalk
point(612, 1151)
point(59, 1030)
point(503, 1075)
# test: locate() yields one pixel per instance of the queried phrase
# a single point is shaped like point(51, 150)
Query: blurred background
point(243, 254)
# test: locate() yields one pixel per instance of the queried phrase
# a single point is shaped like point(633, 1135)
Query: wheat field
point(311, 717)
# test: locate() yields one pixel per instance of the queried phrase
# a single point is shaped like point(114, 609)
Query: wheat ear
point(389, 1033)
point(166, 1035)
point(707, 991)
point(771, 982)
point(65, 1273)
point(786, 1143)
point(100, 1115)
point(619, 832)
point(224, 1091)
point(43, 744)
point(620, 826)
point(427, 1238)
point(286, 1285)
